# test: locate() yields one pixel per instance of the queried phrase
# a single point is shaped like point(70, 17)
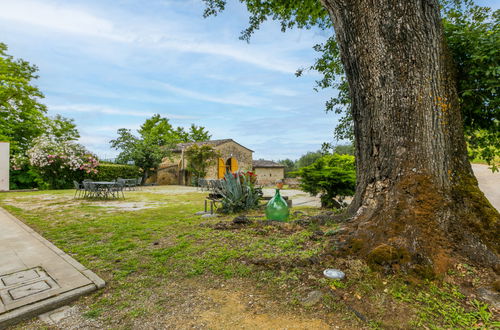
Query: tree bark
point(417, 203)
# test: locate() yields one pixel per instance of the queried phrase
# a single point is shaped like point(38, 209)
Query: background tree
point(344, 149)
point(415, 190)
point(156, 139)
point(341, 149)
point(23, 118)
point(21, 113)
point(198, 133)
point(289, 167)
point(199, 158)
point(61, 128)
point(308, 158)
point(195, 133)
point(473, 36)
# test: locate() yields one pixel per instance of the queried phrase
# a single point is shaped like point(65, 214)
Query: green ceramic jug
point(277, 208)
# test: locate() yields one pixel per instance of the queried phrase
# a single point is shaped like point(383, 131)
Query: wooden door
point(221, 168)
point(234, 165)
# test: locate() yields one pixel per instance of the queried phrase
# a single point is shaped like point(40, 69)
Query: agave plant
point(238, 194)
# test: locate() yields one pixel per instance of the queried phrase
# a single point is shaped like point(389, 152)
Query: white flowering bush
point(60, 162)
point(18, 162)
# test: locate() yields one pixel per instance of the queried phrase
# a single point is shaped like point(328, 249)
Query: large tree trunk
point(417, 202)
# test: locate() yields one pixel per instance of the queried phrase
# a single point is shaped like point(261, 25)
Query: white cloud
point(240, 99)
point(283, 109)
point(114, 128)
point(243, 53)
point(93, 140)
point(139, 32)
point(93, 108)
point(282, 91)
point(68, 19)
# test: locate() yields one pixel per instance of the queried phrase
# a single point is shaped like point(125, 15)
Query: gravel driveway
point(489, 183)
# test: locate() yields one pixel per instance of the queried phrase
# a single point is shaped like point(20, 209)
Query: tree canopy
point(21, 114)
point(308, 158)
point(199, 158)
point(156, 139)
point(473, 36)
point(195, 133)
point(61, 128)
point(23, 117)
point(472, 33)
point(290, 166)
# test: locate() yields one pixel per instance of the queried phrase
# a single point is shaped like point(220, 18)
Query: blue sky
point(113, 63)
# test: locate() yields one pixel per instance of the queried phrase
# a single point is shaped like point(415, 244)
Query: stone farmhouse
point(234, 157)
point(268, 172)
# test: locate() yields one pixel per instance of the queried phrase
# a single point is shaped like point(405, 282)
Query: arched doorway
point(231, 165)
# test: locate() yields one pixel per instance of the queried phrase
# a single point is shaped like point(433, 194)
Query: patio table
point(104, 189)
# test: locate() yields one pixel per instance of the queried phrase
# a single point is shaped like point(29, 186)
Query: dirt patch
point(208, 304)
point(71, 318)
point(171, 190)
point(47, 202)
point(128, 206)
point(233, 312)
point(260, 226)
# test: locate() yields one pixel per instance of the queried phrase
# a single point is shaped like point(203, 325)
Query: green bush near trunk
point(330, 176)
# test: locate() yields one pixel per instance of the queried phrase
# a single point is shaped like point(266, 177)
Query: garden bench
point(214, 197)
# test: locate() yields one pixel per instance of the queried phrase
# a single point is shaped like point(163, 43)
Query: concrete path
point(298, 197)
point(489, 183)
point(35, 276)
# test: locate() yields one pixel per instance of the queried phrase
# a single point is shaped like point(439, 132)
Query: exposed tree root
point(412, 227)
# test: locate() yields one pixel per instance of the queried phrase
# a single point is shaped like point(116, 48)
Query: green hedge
point(110, 172)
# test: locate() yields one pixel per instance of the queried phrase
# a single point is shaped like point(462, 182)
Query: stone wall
point(173, 160)
point(168, 175)
point(231, 150)
point(269, 175)
point(292, 182)
point(169, 171)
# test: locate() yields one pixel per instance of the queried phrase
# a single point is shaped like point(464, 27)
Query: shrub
point(239, 193)
point(199, 158)
point(25, 178)
point(110, 172)
point(58, 163)
point(250, 176)
point(331, 176)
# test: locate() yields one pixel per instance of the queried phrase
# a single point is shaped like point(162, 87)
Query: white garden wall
point(4, 166)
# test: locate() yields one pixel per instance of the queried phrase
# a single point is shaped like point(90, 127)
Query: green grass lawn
point(166, 266)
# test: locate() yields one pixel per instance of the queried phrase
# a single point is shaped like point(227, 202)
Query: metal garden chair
point(116, 189)
point(79, 189)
